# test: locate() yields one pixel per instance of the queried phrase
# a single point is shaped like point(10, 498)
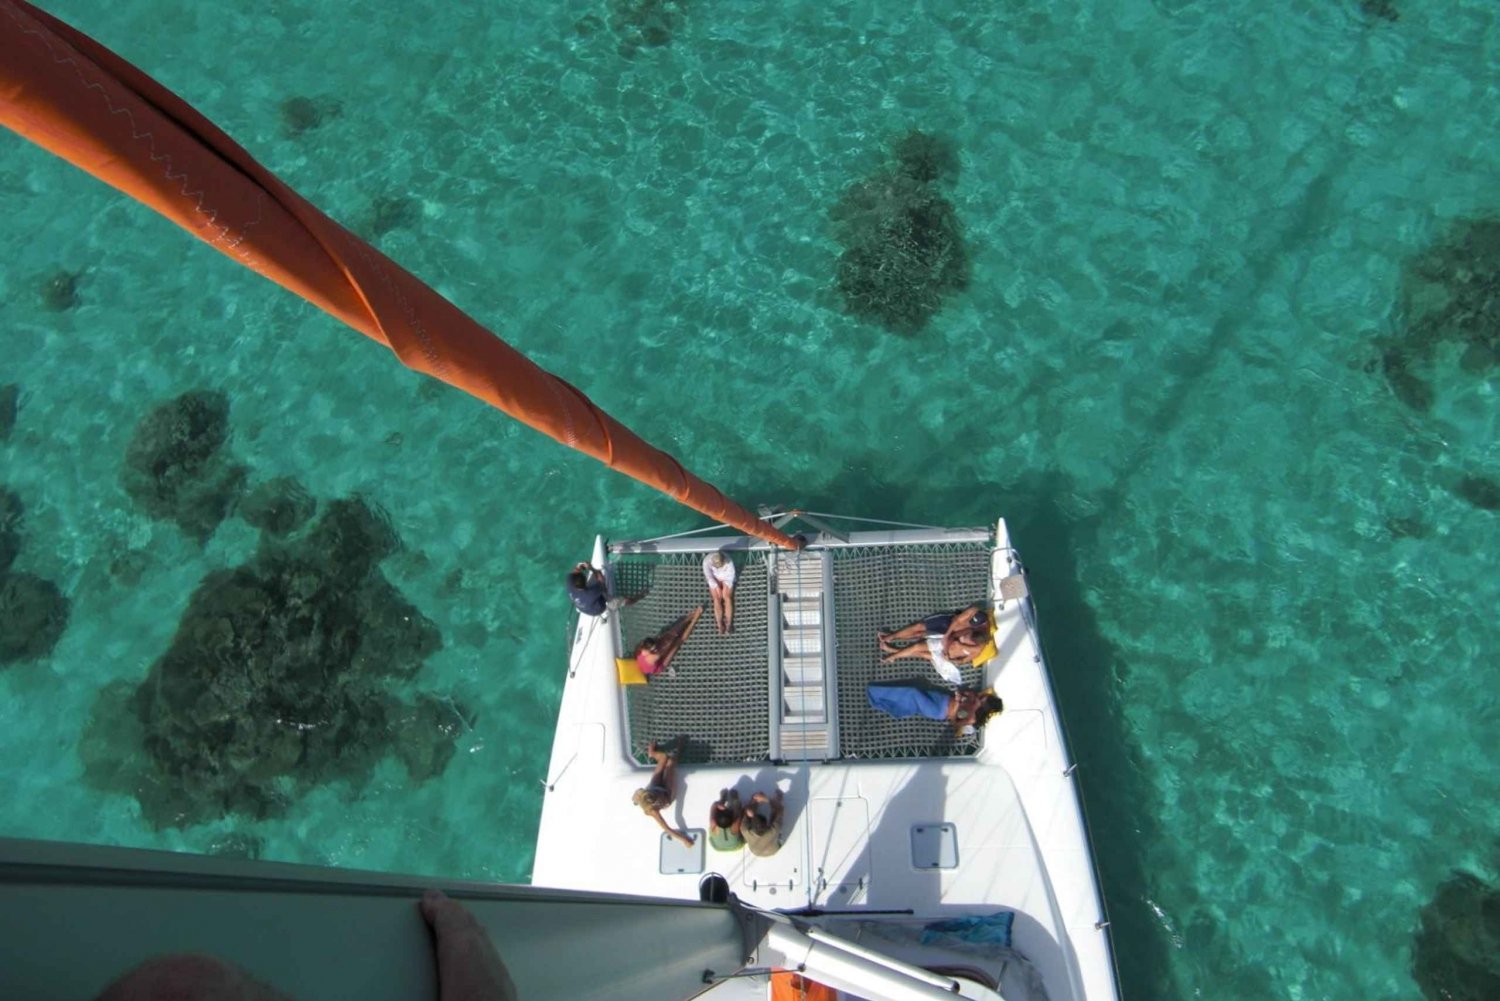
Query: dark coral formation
point(10, 406)
point(1384, 10)
point(33, 612)
point(1480, 491)
point(60, 290)
point(237, 845)
point(904, 249)
point(390, 212)
point(177, 468)
point(33, 615)
point(11, 513)
point(1456, 956)
point(1450, 297)
point(303, 114)
point(927, 158)
point(277, 680)
point(278, 506)
point(645, 24)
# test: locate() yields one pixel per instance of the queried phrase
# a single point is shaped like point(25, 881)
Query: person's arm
point(961, 621)
point(671, 830)
point(961, 711)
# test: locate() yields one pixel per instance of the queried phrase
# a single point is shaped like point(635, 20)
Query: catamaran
point(913, 861)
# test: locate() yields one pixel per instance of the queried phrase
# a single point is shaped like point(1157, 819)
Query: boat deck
point(882, 817)
point(788, 684)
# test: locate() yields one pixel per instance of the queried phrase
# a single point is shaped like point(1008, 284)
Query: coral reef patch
point(33, 615)
point(278, 679)
point(177, 468)
point(10, 406)
point(33, 612)
point(11, 513)
point(1456, 955)
point(277, 506)
point(389, 212)
point(904, 250)
point(237, 845)
point(1480, 491)
point(645, 24)
point(1450, 305)
point(60, 290)
point(303, 114)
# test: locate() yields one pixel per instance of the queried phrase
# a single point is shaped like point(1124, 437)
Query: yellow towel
point(630, 672)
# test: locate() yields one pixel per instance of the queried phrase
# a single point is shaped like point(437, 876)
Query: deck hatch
point(934, 846)
point(678, 859)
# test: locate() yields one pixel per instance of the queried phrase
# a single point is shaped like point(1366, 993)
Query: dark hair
point(757, 823)
point(722, 816)
point(649, 643)
point(981, 619)
point(991, 705)
point(578, 579)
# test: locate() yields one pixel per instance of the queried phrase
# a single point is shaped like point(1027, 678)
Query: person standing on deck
point(718, 570)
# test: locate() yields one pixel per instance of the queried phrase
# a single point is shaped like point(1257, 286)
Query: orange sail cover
point(74, 97)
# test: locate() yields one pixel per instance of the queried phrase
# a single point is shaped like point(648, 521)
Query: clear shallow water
point(1270, 616)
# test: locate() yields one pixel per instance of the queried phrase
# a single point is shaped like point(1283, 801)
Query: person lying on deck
point(657, 794)
point(950, 641)
point(724, 819)
point(654, 653)
point(965, 708)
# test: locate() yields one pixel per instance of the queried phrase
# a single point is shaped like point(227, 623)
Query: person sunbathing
point(658, 793)
point(951, 641)
point(967, 709)
point(654, 654)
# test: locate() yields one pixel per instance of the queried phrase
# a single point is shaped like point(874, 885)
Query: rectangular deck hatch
point(677, 858)
point(934, 846)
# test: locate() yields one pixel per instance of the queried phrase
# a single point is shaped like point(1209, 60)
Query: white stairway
point(803, 698)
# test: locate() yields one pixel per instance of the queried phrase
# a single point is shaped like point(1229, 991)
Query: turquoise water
point(1269, 610)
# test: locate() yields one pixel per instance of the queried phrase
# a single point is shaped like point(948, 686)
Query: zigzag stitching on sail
point(198, 197)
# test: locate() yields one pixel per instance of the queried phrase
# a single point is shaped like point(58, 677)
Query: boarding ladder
point(804, 725)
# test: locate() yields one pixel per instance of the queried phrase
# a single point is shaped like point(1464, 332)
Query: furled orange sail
point(74, 97)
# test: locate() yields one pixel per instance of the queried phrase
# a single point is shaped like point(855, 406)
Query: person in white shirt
point(718, 570)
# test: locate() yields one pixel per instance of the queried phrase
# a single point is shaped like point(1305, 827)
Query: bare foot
point(469, 968)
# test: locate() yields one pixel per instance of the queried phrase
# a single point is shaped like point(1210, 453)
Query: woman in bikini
point(654, 653)
point(949, 641)
point(657, 794)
